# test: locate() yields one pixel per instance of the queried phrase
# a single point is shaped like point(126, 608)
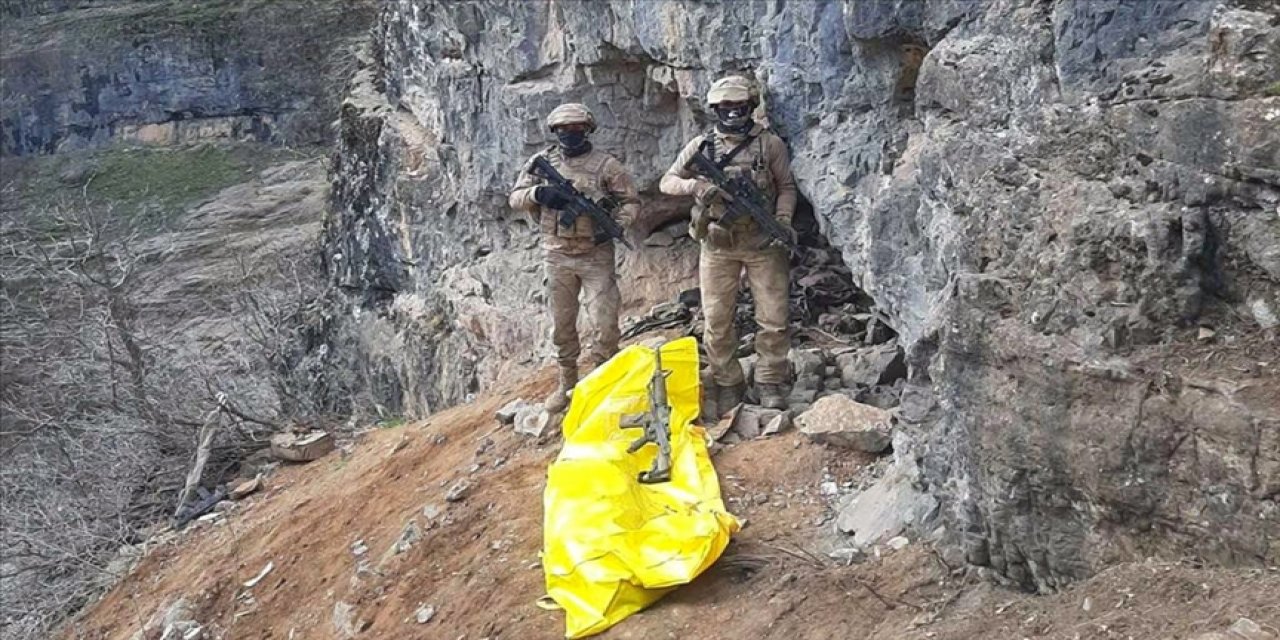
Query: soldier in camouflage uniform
point(741, 146)
point(575, 263)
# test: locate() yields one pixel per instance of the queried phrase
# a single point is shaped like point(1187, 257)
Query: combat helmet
point(731, 89)
point(571, 113)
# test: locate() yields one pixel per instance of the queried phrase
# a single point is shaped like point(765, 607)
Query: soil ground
point(477, 561)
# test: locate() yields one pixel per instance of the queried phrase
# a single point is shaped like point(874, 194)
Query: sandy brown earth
point(477, 565)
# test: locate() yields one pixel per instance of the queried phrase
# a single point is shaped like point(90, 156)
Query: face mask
point(573, 142)
point(734, 118)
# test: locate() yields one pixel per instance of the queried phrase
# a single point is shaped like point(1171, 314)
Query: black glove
point(551, 197)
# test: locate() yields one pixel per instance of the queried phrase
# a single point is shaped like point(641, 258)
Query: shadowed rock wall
point(81, 73)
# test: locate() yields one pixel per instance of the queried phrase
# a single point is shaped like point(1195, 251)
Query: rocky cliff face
point(1046, 199)
point(82, 73)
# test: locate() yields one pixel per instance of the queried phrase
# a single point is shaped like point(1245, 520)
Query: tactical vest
point(587, 174)
point(750, 161)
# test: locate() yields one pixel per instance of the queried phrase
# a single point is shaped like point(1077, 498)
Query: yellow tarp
point(613, 546)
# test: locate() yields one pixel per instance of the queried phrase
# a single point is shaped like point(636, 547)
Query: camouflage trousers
point(720, 275)
point(592, 276)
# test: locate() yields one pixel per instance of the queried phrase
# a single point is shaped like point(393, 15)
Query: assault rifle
point(579, 204)
point(744, 198)
point(656, 424)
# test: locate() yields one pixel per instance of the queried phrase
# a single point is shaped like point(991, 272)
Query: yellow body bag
point(611, 545)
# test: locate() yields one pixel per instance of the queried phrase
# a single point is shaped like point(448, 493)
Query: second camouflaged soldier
point(741, 147)
point(575, 262)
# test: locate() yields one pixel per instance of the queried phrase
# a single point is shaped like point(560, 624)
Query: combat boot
point(559, 399)
point(729, 396)
point(772, 396)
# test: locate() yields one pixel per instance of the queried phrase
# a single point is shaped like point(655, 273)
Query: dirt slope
point(477, 564)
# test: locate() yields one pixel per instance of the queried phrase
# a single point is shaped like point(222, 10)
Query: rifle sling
point(709, 143)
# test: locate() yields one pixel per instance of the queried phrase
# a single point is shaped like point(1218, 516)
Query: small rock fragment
point(431, 512)
point(532, 421)
point(777, 424)
point(425, 613)
point(458, 491)
point(807, 363)
point(343, 621)
point(898, 543)
point(886, 509)
point(848, 556)
point(749, 421)
point(507, 414)
point(1249, 630)
point(882, 364)
point(246, 488)
point(802, 396)
point(1266, 316)
point(409, 536)
point(303, 447)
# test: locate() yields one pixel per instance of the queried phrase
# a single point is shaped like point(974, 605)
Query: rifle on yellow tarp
point(656, 423)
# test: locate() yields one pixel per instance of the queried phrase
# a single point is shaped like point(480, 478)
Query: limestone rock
point(802, 396)
point(848, 555)
point(409, 536)
point(304, 447)
point(891, 506)
point(881, 364)
point(458, 491)
point(424, 614)
point(751, 421)
point(806, 362)
point(344, 622)
point(777, 424)
point(840, 422)
point(509, 411)
point(246, 488)
point(533, 421)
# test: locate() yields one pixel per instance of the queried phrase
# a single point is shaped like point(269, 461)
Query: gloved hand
point(550, 197)
point(795, 237)
point(706, 191)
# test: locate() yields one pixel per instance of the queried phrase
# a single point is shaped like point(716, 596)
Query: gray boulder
point(840, 422)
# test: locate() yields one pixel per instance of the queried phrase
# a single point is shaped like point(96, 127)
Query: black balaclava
point(573, 143)
point(734, 119)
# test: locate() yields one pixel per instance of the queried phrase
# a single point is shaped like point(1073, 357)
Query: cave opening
point(841, 342)
point(904, 92)
point(827, 305)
